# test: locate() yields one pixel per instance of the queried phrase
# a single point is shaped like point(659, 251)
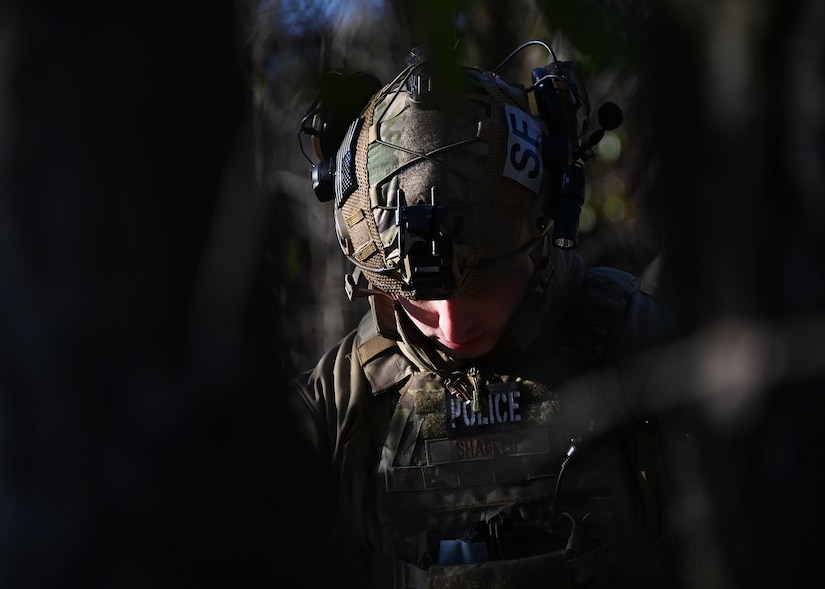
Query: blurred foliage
point(143, 443)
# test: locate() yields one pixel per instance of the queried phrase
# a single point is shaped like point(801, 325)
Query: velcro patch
point(504, 444)
point(501, 407)
point(523, 162)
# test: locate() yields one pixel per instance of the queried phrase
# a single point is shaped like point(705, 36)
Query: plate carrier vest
point(526, 488)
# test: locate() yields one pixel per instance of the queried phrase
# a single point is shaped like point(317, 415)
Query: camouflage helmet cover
point(439, 192)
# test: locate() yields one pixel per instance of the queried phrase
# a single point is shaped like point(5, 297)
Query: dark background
point(164, 265)
point(138, 337)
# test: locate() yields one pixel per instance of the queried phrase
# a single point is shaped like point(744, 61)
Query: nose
point(455, 320)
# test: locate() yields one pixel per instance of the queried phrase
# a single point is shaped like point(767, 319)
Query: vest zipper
point(473, 375)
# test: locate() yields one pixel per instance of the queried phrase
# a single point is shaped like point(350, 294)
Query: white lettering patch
point(500, 409)
point(523, 162)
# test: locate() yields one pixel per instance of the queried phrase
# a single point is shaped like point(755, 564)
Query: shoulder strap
point(604, 293)
point(384, 366)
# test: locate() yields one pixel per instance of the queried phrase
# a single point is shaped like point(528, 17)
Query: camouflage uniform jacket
point(419, 489)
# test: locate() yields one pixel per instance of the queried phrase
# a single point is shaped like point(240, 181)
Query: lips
point(458, 345)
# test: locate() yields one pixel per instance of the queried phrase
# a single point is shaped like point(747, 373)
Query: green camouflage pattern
point(426, 501)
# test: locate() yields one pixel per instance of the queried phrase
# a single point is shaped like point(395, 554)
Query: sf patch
point(523, 161)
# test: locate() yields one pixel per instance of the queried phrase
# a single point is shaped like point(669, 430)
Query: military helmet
point(442, 184)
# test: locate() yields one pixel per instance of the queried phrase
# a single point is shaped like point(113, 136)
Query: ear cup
point(547, 101)
point(342, 100)
point(556, 148)
point(558, 100)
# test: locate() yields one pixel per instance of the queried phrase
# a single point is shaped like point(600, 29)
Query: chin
point(470, 350)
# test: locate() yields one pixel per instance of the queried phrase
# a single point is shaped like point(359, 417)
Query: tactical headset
point(561, 103)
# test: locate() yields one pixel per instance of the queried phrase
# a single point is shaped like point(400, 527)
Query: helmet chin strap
point(542, 262)
point(421, 349)
point(356, 292)
point(460, 377)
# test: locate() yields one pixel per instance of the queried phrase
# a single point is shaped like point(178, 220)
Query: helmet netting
point(459, 147)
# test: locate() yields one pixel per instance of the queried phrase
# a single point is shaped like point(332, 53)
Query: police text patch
point(500, 408)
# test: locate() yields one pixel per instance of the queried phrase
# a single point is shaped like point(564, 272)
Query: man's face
point(469, 326)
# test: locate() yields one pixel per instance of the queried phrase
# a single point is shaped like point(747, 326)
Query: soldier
point(483, 426)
